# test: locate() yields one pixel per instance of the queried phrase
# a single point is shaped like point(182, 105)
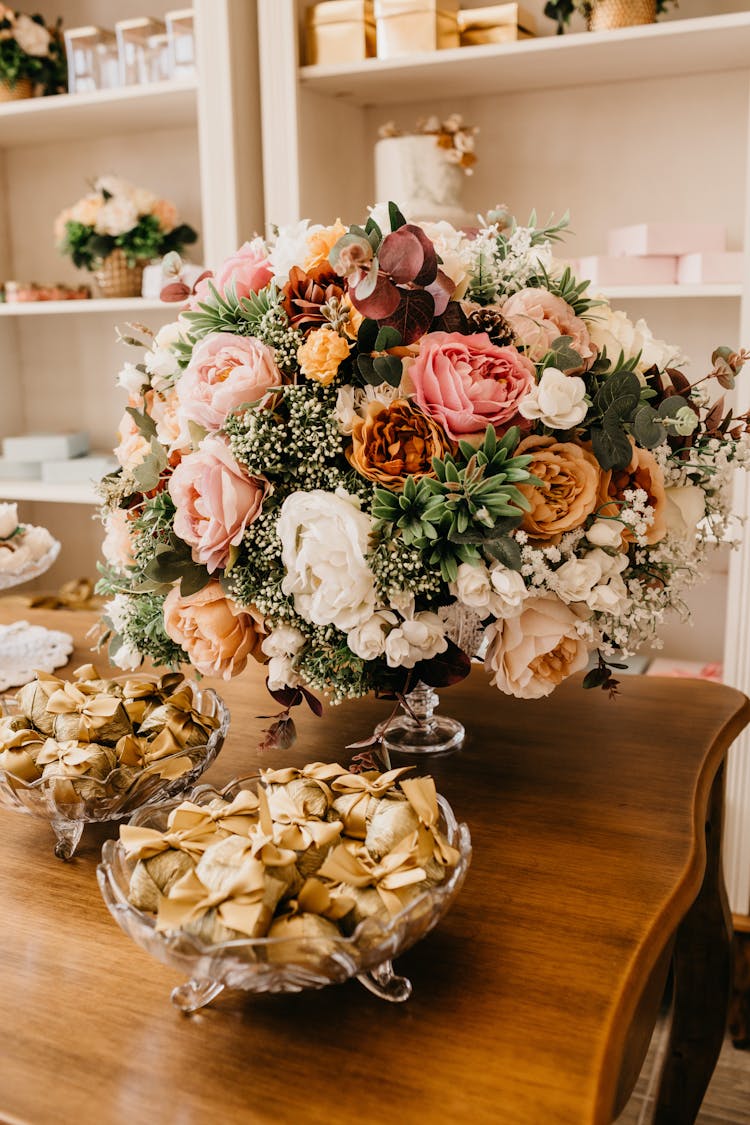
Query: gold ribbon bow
point(76, 757)
point(316, 898)
point(390, 876)
point(86, 672)
point(19, 739)
point(314, 771)
point(421, 794)
point(93, 708)
point(140, 694)
point(293, 829)
point(180, 715)
point(359, 787)
point(238, 905)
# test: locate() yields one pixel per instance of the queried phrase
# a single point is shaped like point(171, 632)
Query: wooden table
point(534, 998)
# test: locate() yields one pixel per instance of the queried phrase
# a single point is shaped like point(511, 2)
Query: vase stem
point(418, 730)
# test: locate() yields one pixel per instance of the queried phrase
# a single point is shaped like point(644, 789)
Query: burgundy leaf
point(372, 740)
point(448, 668)
point(402, 255)
point(175, 291)
point(679, 381)
point(413, 315)
point(429, 270)
point(361, 763)
point(452, 320)
point(280, 735)
point(382, 303)
point(287, 696)
point(312, 702)
point(442, 289)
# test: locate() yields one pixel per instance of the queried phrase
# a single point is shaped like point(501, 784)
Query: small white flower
point(284, 640)
point(605, 533)
point(280, 673)
point(290, 248)
point(576, 578)
point(557, 400)
point(369, 639)
point(127, 657)
point(131, 379)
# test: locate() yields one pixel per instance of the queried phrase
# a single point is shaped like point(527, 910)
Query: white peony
point(529, 654)
point(576, 578)
point(116, 217)
point(368, 640)
point(454, 249)
point(614, 330)
point(290, 248)
point(686, 507)
point(508, 591)
point(606, 533)
point(8, 519)
point(284, 640)
point(557, 400)
point(32, 37)
point(418, 638)
point(325, 539)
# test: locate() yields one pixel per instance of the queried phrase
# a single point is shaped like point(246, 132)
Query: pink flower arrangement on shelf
point(364, 455)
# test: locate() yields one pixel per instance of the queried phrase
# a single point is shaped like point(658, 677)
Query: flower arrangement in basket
point(116, 229)
point(606, 15)
point(32, 56)
point(365, 454)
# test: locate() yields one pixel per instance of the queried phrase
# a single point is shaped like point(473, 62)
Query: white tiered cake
point(413, 171)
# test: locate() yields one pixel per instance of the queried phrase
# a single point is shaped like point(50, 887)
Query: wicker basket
point(116, 278)
point(606, 15)
point(24, 88)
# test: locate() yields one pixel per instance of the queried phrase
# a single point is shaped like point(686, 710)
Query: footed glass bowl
point(279, 964)
point(34, 569)
point(120, 793)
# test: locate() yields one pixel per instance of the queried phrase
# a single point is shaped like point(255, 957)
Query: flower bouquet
point(364, 455)
point(116, 230)
point(31, 56)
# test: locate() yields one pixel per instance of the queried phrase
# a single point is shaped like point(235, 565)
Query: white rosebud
point(557, 400)
point(131, 379)
point(419, 638)
point(609, 565)
point(610, 598)
point(280, 673)
point(368, 640)
point(8, 519)
point(127, 657)
point(284, 640)
point(686, 507)
point(606, 533)
point(576, 578)
point(508, 591)
point(472, 587)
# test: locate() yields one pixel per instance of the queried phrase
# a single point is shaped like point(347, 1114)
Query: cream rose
point(614, 330)
point(576, 578)
point(529, 654)
point(557, 400)
point(325, 540)
point(368, 640)
point(606, 533)
point(418, 638)
point(686, 507)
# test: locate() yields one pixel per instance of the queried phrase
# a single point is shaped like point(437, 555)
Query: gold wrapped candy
point(84, 713)
point(154, 877)
point(358, 794)
point(19, 750)
point(75, 768)
point(309, 788)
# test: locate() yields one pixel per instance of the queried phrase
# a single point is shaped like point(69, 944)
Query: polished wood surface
point(587, 818)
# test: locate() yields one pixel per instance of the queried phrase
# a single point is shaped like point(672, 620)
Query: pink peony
point(215, 500)
point(538, 318)
point(225, 372)
point(467, 383)
point(248, 269)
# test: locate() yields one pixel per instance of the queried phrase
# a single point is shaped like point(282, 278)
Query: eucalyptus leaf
point(611, 446)
point(647, 432)
point(505, 550)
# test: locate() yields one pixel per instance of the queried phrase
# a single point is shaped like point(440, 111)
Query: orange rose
point(320, 243)
point(322, 354)
point(642, 472)
point(217, 634)
point(395, 441)
point(570, 488)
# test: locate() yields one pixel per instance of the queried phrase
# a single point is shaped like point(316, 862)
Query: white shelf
point(689, 46)
point(667, 292)
point(48, 493)
point(129, 109)
point(99, 305)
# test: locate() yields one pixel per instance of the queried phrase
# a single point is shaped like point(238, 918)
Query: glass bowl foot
point(68, 833)
point(195, 994)
point(418, 730)
point(384, 983)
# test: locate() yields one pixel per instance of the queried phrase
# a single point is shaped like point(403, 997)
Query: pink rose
point(132, 448)
point(225, 372)
point(538, 318)
point(467, 383)
point(215, 500)
point(248, 269)
point(217, 634)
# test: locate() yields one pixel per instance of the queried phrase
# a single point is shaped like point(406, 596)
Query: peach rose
point(569, 492)
point(117, 547)
point(162, 409)
point(322, 354)
point(217, 633)
point(132, 448)
point(320, 243)
point(224, 373)
point(538, 318)
point(248, 270)
point(643, 472)
point(215, 500)
point(165, 213)
point(530, 654)
point(395, 441)
point(467, 383)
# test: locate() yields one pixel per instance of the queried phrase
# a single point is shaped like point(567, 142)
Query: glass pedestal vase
point(417, 729)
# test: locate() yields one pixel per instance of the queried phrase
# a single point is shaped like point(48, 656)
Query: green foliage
point(145, 240)
point(48, 71)
point(568, 288)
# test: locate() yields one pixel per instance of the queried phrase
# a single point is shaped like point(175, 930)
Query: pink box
point(711, 269)
point(599, 270)
point(667, 238)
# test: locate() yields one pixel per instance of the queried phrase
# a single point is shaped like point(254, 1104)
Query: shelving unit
point(37, 490)
point(648, 123)
point(109, 307)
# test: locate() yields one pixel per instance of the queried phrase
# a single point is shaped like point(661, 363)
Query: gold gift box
point(412, 27)
point(500, 23)
point(340, 31)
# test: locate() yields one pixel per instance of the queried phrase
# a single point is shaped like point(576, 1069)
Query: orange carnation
point(395, 441)
point(571, 484)
point(321, 355)
point(320, 243)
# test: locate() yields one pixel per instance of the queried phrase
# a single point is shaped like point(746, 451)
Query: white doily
point(26, 649)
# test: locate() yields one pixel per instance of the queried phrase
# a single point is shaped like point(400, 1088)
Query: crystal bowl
point(118, 795)
point(279, 964)
point(33, 569)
